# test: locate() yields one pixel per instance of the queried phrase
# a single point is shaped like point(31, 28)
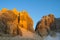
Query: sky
point(35, 8)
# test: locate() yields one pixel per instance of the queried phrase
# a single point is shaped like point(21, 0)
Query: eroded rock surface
point(43, 27)
point(13, 22)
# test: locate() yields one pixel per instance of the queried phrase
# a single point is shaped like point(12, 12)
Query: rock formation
point(25, 21)
point(4, 10)
point(15, 23)
point(43, 27)
point(10, 22)
point(20, 24)
point(15, 11)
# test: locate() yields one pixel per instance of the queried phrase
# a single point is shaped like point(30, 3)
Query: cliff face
point(13, 22)
point(44, 27)
point(25, 24)
point(9, 21)
point(25, 21)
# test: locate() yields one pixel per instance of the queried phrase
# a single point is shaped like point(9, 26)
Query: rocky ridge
point(15, 25)
point(48, 25)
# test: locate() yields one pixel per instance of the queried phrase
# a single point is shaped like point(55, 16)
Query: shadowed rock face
point(43, 27)
point(56, 25)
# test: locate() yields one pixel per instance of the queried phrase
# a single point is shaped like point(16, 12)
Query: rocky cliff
point(13, 22)
point(16, 25)
point(47, 25)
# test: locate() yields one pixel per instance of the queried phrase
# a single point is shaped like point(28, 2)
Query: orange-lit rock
point(25, 21)
point(30, 24)
point(14, 23)
point(4, 10)
point(15, 11)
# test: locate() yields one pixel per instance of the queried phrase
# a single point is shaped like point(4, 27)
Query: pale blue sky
point(35, 8)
